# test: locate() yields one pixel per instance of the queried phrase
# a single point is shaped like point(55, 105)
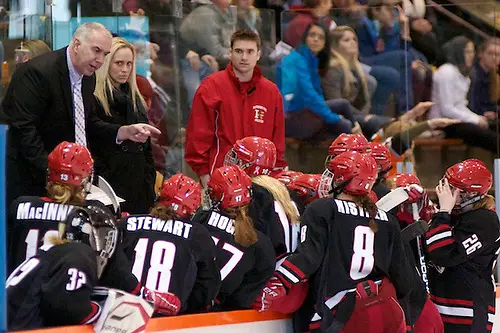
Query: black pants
point(473, 135)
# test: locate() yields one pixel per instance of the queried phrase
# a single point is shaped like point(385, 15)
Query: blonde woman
point(129, 167)
point(345, 79)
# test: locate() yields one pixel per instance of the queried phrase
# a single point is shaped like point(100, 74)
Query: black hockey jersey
point(463, 251)
point(244, 270)
point(32, 221)
point(172, 256)
point(53, 288)
point(265, 218)
point(338, 244)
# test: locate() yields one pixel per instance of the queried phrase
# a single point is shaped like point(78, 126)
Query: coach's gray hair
point(86, 29)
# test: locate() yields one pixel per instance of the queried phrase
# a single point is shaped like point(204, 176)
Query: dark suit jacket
point(38, 107)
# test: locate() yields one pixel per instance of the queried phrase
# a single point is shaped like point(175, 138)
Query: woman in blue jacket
point(307, 115)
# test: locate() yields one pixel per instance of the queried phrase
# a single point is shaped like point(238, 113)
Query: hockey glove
point(166, 304)
point(273, 290)
point(415, 193)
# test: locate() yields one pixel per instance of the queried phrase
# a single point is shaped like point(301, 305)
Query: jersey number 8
point(160, 264)
point(362, 260)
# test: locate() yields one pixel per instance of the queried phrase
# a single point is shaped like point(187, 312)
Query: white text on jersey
point(350, 208)
point(221, 222)
point(49, 211)
point(177, 228)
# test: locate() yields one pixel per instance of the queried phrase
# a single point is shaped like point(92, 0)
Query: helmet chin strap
point(466, 206)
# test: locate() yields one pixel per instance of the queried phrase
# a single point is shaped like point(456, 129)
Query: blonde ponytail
point(280, 194)
point(244, 231)
point(367, 204)
point(66, 194)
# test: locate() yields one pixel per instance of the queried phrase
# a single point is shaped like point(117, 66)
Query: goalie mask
point(351, 172)
point(255, 155)
point(95, 227)
point(347, 142)
point(229, 187)
point(71, 164)
point(473, 180)
point(182, 194)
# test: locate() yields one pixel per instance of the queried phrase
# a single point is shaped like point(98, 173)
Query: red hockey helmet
point(288, 176)
point(230, 187)
point(182, 194)
point(255, 155)
point(306, 187)
point(405, 179)
point(382, 156)
point(472, 178)
point(347, 142)
point(71, 163)
point(351, 172)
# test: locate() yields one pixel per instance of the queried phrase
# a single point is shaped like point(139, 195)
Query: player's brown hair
point(245, 34)
point(280, 193)
point(367, 204)
point(66, 194)
point(488, 202)
point(244, 231)
point(162, 212)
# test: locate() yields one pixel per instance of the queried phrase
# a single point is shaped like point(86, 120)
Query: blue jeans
point(399, 60)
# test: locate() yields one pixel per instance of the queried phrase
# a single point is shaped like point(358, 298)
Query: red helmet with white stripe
point(229, 187)
point(70, 163)
point(347, 142)
point(418, 200)
point(255, 155)
point(306, 187)
point(287, 177)
point(472, 178)
point(182, 194)
point(351, 172)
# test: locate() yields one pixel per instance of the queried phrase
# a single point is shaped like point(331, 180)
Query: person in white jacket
point(451, 83)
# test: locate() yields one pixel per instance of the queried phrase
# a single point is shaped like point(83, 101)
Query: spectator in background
point(43, 108)
point(206, 32)
point(232, 104)
point(346, 79)
point(30, 49)
point(484, 69)
point(314, 11)
point(128, 167)
point(308, 116)
point(384, 36)
point(452, 82)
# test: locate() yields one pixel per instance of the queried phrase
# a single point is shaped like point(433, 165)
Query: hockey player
point(287, 176)
point(245, 256)
point(347, 142)
point(383, 157)
point(462, 244)
point(422, 315)
point(53, 287)
point(305, 188)
point(171, 255)
point(32, 220)
point(355, 250)
point(271, 209)
point(344, 142)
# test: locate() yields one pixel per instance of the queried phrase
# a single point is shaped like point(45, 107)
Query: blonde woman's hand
point(194, 60)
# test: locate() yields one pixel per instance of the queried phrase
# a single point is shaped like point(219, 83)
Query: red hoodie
point(225, 110)
point(297, 26)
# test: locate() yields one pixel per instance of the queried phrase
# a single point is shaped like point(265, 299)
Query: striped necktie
point(80, 136)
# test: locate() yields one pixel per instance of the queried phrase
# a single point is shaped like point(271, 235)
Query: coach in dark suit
point(50, 100)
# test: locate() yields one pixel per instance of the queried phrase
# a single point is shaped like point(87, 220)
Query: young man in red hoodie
point(233, 104)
